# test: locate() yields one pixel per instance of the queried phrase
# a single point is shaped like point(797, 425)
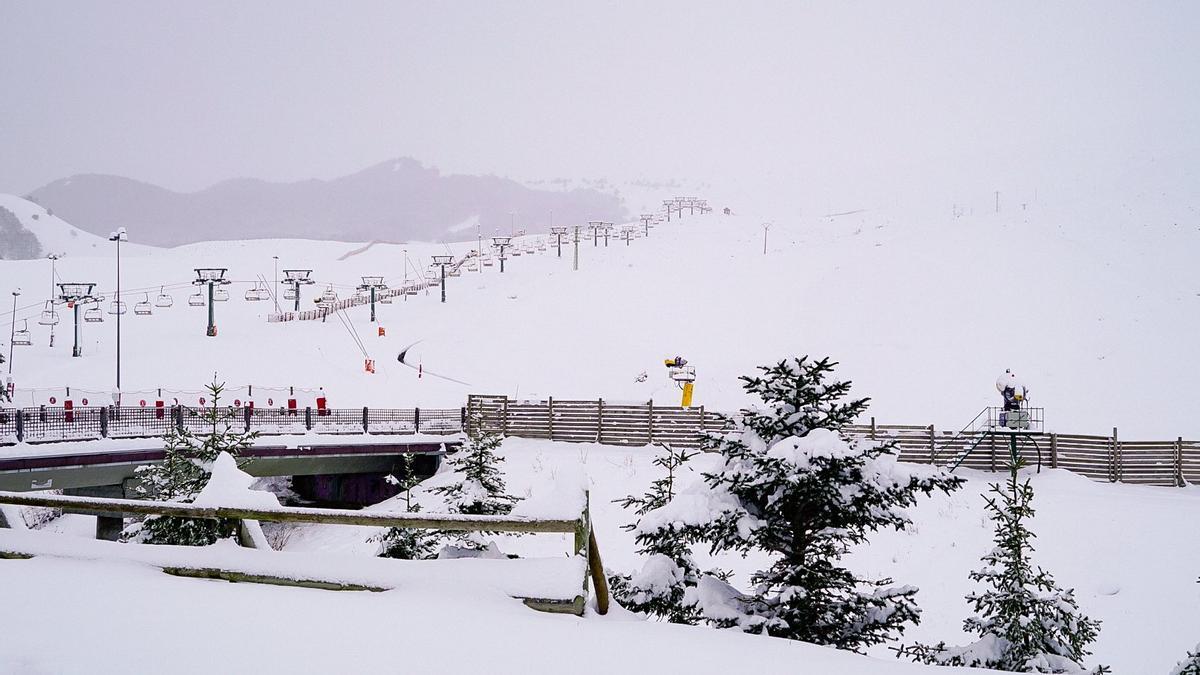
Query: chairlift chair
point(49, 317)
point(252, 295)
point(487, 262)
point(196, 300)
point(116, 307)
point(220, 295)
point(143, 308)
point(163, 300)
point(21, 338)
point(410, 290)
point(93, 314)
point(328, 295)
point(289, 293)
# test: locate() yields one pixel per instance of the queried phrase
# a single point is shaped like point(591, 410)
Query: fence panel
point(139, 422)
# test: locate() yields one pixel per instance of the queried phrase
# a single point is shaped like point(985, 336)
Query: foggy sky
point(786, 95)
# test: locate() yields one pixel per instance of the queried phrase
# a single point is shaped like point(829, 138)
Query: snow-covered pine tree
point(660, 588)
point(402, 542)
point(794, 486)
point(478, 487)
point(1190, 665)
point(185, 471)
point(1025, 622)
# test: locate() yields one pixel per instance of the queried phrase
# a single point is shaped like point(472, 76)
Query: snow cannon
point(1015, 394)
point(684, 376)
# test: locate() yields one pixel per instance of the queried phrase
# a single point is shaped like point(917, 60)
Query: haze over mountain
point(397, 200)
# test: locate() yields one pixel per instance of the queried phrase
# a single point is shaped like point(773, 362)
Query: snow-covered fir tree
point(185, 471)
point(477, 486)
point(793, 486)
point(1025, 622)
point(1190, 665)
point(402, 542)
point(661, 587)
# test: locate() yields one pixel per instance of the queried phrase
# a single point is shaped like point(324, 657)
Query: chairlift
point(93, 314)
point(258, 293)
point(383, 299)
point(487, 262)
point(49, 317)
point(196, 300)
point(163, 300)
point(289, 293)
point(116, 307)
point(410, 290)
point(328, 295)
point(220, 295)
point(143, 308)
point(21, 338)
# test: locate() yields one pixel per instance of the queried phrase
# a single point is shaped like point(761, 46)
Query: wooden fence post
point(504, 418)
point(600, 420)
point(872, 428)
point(416, 420)
point(1053, 451)
point(1114, 472)
point(550, 416)
point(366, 416)
point(932, 445)
point(1179, 462)
point(650, 422)
point(700, 436)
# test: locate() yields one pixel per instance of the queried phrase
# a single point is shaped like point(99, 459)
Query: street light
point(558, 233)
point(766, 226)
point(275, 288)
point(443, 260)
point(500, 243)
point(118, 237)
point(575, 266)
point(372, 284)
point(211, 277)
point(74, 295)
point(297, 278)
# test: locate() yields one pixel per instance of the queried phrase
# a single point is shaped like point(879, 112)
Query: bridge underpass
point(344, 471)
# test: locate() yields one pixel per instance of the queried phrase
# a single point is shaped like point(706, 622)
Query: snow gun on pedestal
point(1015, 423)
point(684, 376)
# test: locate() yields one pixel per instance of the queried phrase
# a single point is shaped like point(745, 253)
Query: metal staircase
point(1018, 428)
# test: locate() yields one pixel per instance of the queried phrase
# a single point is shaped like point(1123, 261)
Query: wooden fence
point(592, 421)
point(1105, 458)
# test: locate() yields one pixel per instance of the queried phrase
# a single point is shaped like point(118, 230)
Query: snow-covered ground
point(922, 312)
point(1124, 549)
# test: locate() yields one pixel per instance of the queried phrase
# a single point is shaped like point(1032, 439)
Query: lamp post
point(12, 331)
point(211, 277)
point(74, 295)
point(766, 226)
point(558, 233)
point(500, 243)
point(441, 261)
point(118, 237)
point(371, 284)
point(276, 286)
point(297, 278)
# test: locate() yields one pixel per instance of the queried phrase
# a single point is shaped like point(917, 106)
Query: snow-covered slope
point(56, 235)
point(923, 313)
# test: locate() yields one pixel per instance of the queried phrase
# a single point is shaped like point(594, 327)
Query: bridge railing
point(48, 424)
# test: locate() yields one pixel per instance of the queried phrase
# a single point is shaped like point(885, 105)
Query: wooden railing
point(580, 526)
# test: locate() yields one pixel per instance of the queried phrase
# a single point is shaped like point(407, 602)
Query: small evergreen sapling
point(479, 488)
point(402, 542)
point(661, 587)
point(1025, 622)
point(183, 473)
point(792, 485)
point(1190, 665)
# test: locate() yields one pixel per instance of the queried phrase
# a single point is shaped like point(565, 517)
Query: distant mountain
point(396, 201)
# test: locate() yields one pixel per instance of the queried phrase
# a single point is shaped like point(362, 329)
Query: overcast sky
point(185, 94)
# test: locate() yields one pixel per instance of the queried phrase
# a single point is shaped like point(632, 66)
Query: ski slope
point(922, 312)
